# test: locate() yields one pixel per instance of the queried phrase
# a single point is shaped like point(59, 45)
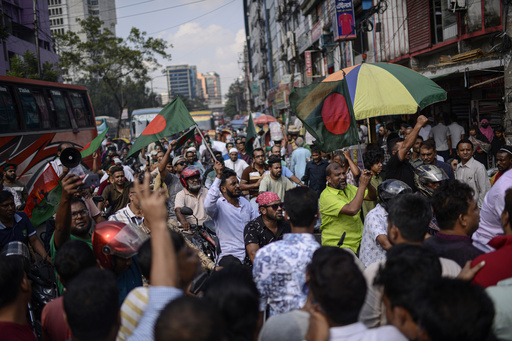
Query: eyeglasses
point(275, 206)
point(81, 212)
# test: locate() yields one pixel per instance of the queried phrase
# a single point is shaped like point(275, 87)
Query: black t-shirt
point(400, 170)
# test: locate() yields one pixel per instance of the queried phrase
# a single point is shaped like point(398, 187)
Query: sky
point(207, 33)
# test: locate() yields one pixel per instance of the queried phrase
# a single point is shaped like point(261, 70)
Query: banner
point(344, 20)
point(309, 68)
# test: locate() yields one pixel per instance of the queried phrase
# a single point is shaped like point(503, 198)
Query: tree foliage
point(26, 67)
point(236, 103)
point(118, 65)
point(195, 104)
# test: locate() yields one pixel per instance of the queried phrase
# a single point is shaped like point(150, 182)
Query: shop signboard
point(303, 42)
point(255, 88)
point(309, 66)
point(316, 32)
point(344, 20)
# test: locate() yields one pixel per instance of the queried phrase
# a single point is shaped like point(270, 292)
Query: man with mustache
point(340, 204)
point(275, 182)
point(231, 213)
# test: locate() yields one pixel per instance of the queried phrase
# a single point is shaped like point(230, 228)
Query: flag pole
point(206, 144)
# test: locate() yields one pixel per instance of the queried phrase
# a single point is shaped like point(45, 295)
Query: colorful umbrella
point(381, 89)
point(265, 119)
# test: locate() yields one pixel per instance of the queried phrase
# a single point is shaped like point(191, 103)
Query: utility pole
point(508, 72)
point(247, 82)
point(36, 33)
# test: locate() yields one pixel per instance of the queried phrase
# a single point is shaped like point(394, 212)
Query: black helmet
point(389, 189)
point(426, 174)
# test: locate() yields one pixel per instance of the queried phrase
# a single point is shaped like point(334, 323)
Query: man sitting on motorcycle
point(192, 195)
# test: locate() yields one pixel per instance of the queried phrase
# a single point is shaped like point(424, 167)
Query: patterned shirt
point(280, 272)
point(375, 224)
point(256, 232)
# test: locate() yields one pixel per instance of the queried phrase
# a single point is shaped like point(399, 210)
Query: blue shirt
point(298, 161)
point(279, 271)
point(316, 175)
point(230, 221)
point(20, 231)
point(129, 280)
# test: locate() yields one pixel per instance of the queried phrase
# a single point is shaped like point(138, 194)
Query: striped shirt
point(132, 310)
point(125, 215)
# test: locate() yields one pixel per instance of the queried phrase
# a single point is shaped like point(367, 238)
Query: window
point(29, 107)
point(58, 106)
point(43, 108)
point(8, 120)
point(80, 111)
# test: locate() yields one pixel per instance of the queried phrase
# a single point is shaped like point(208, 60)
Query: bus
point(37, 116)
point(142, 117)
point(104, 122)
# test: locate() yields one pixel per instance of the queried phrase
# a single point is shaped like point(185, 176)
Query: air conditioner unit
point(457, 5)
point(290, 38)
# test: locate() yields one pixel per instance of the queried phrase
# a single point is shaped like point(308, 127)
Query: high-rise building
point(64, 14)
point(209, 83)
point(182, 80)
point(17, 18)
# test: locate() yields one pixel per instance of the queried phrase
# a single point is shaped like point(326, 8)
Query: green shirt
point(53, 253)
point(370, 205)
point(334, 224)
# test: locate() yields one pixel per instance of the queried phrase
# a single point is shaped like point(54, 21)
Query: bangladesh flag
point(93, 146)
point(189, 135)
point(173, 118)
point(326, 111)
point(251, 135)
point(44, 198)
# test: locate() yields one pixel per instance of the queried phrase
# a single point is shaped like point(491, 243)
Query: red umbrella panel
point(265, 119)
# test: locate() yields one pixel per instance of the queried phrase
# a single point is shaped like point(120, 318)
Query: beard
point(11, 179)
point(235, 194)
point(194, 188)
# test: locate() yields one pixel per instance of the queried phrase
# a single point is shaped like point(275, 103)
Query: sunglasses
point(81, 212)
point(182, 163)
point(275, 206)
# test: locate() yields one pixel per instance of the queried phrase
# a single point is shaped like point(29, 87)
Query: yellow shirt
point(334, 224)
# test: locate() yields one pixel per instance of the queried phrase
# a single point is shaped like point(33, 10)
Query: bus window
point(80, 110)
point(43, 109)
point(8, 120)
point(62, 118)
point(29, 108)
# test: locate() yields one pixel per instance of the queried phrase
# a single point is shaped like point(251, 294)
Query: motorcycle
point(202, 236)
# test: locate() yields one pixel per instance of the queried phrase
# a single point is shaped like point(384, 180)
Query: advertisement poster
point(344, 20)
point(309, 67)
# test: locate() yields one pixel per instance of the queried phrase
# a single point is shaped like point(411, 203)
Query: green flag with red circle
point(173, 118)
point(326, 111)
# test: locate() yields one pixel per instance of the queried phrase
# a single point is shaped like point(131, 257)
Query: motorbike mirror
point(186, 211)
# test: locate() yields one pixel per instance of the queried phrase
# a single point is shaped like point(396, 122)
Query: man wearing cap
point(11, 182)
point(268, 227)
point(236, 164)
point(191, 156)
point(172, 181)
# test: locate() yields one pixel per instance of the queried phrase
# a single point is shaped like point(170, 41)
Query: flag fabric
point(189, 135)
point(251, 135)
point(326, 111)
point(44, 198)
point(173, 118)
point(93, 146)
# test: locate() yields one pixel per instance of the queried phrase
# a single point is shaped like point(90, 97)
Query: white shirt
point(490, 214)
point(375, 224)
point(239, 166)
point(425, 132)
point(358, 332)
point(57, 167)
point(440, 133)
point(474, 174)
point(456, 132)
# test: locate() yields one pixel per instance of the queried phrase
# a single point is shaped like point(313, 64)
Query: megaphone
point(70, 157)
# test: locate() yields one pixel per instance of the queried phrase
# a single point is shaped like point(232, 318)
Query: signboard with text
point(309, 66)
point(344, 20)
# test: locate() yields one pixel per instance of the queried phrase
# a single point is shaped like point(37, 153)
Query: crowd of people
point(410, 240)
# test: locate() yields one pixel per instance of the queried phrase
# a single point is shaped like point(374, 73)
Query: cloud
point(210, 48)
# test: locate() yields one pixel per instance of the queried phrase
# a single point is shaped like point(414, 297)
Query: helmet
point(389, 189)
point(426, 174)
point(188, 172)
point(113, 238)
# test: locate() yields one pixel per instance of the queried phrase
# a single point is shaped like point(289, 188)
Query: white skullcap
point(233, 150)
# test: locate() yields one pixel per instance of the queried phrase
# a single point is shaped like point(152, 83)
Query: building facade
point(18, 22)
point(460, 44)
point(209, 85)
point(63, 14)
point(182, 80)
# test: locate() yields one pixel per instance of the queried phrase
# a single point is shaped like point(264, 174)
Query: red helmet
point(188, 173)
point(115, 238)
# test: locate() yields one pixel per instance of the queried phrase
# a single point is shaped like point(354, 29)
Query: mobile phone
point(90, 180)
